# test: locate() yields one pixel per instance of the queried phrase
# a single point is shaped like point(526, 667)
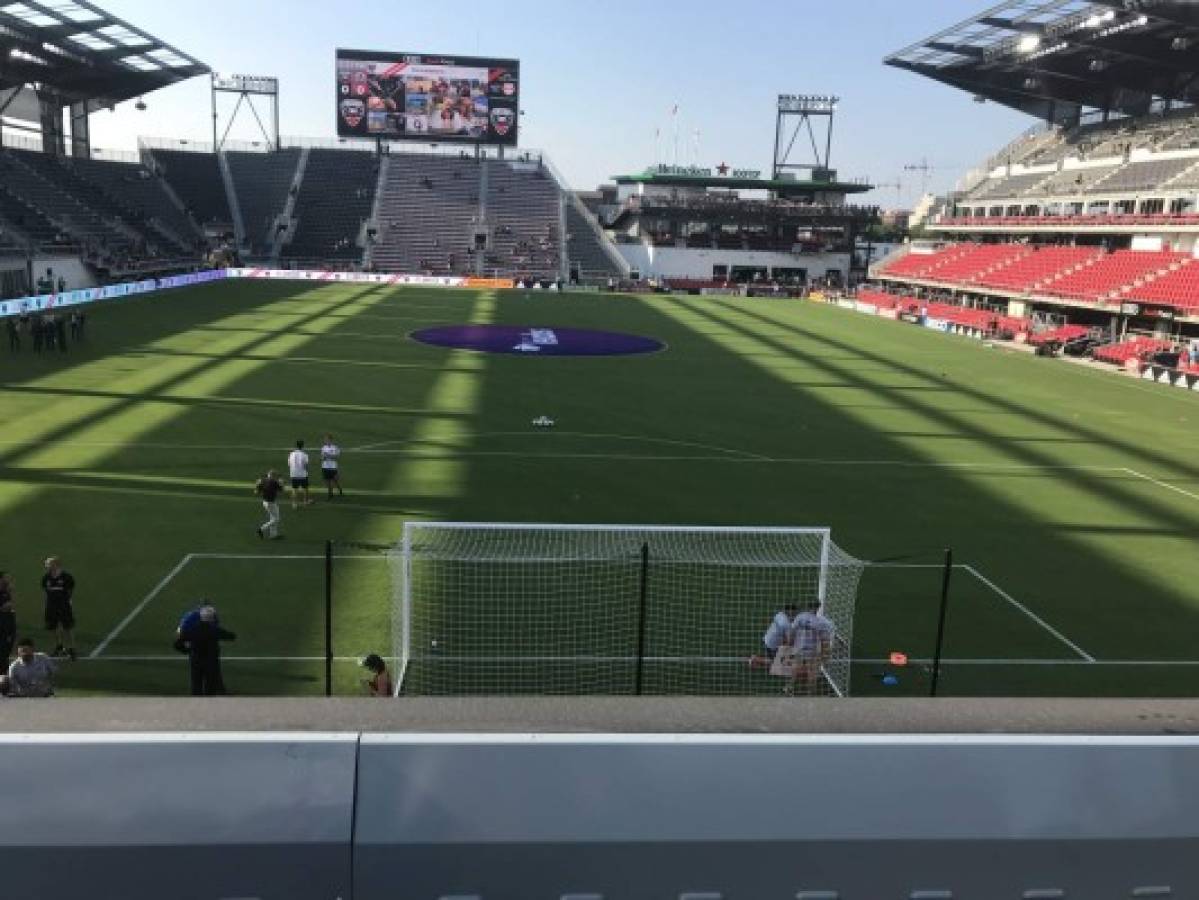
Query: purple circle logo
point(536, 341)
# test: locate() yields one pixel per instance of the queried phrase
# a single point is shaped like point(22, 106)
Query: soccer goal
point(614, 609)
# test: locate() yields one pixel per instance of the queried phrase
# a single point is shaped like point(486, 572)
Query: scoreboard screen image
point(422, 97)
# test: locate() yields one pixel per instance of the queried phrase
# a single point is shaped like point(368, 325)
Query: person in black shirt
point(39, 333)
point(14, 335)
point(59, 586)
point(8, 620)
point(60, 333)
point(200, 638)
point(268, 488)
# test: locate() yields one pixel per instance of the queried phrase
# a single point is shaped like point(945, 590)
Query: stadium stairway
point(522, 211)
point(196, 180)
point(156, 206)
point(332, 207)
point(261, 183)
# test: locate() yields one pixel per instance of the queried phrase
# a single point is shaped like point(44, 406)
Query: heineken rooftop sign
point(721, 171)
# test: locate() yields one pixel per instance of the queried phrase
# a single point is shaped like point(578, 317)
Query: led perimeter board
point(423, 97)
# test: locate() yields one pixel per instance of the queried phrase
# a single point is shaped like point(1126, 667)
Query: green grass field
point(1070, 497)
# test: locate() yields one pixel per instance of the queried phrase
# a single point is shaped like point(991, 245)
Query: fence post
point(643, 593)
point(941, 623)
point(328, 618)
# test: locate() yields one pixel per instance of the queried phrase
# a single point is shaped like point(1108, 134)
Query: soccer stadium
point(525, 538)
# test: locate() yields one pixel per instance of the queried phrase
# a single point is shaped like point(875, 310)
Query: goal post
point(487, 608)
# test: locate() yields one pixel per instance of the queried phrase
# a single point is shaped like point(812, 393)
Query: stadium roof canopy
point(1056, 59)
point(77, 51)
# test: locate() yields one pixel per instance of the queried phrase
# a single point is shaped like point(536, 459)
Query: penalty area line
point(1086, 657)
point(1161, 484)
point(136, 611)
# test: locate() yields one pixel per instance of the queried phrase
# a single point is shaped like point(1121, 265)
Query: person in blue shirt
point(199, 636)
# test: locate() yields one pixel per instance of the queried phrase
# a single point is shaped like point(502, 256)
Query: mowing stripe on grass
point(136, 611)
point(1032, 615)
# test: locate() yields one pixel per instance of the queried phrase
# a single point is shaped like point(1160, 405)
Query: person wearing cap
point(200, 636)
point(379, 684)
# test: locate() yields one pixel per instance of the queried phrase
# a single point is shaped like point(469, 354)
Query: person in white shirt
point(779, 633)
point(32, 673)
point(812, 636)
point(297, 467)
point(330, 466)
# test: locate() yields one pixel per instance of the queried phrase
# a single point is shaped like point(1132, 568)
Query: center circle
point(536, 340)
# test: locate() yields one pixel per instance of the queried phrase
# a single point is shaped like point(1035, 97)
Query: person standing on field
point(268, 488)
point(297, 465)
point(200, 638)
point(330, 466)
point(8, 619)
point(59, 586)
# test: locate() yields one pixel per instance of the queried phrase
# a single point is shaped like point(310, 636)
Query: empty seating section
point(974, 259)
point(428, 214)
point(1074, 181)
point(1084, 273)
point(136, 186)
point(917, 265)
point(36, 179)
point(1007, 187)
point(1142, 176)
point(1135, 348)
point(262, 182)
point(197, 182)
point(583, 247)
point(1188, 179)
point(523, 215)
point(27, 218)
point(1060, 335)
point(1109, 275)
point(336, 197)
point(1025, 273)
point(1178, 288)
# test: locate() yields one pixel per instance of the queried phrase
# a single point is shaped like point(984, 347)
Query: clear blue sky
point(597, 78)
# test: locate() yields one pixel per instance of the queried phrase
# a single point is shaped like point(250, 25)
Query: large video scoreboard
point(422, 97)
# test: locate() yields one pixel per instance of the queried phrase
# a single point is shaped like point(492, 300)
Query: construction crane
point(895, 185)
point(926, 170)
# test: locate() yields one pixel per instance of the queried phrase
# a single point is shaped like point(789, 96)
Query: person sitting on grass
point(32, 673)
point(379, 684)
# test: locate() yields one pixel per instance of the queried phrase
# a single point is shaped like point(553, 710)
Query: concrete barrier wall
point(522, 816)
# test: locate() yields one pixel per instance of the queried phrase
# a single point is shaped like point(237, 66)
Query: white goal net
point(570, 609)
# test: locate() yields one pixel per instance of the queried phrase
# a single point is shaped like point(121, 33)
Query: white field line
point(1032, 615)
point(1162, 484)
point(366, 448)
point(133, 614)
point(170, 576)
point(738, 660)
point(1084, 656)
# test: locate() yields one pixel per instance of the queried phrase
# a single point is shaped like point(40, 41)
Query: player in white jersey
point(812, 637)
point(777, 636)
point(331, 466)
point(297, 468)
